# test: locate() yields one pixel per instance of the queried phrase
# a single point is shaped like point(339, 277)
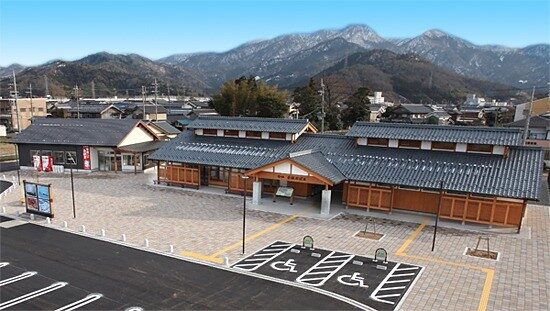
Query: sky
point(33, 32)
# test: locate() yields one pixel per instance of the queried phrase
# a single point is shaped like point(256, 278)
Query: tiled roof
point(249, 124)
point(415, 108)
point(166, 127)
point(90, 132)
point(443, 133)
point(536, 122)
point(318, 162)
point(515, 176)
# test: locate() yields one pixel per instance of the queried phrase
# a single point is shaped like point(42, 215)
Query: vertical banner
point(46, 164)
point(87, 165)
point(37, 162)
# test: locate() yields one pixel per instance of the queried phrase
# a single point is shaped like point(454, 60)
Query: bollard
point(48, 220)
point(17, 213)
point(123, 237)
point(4, 176)
point(171, 249)
point(83, 229)
point(32, 216)
point(3, 209)
point(65, 224)
point(226, 260)
point(103, 232)
point(146, 243)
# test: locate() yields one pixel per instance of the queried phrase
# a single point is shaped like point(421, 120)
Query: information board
point(38, 198)
point(285, 192)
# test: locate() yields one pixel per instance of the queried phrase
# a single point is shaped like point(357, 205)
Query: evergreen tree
point(357, 107)
point(250, 97)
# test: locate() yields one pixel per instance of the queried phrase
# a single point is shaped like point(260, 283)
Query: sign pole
point(72, 192)
point(438, 212)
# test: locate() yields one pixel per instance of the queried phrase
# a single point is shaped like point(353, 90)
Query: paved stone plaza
point(208, 226)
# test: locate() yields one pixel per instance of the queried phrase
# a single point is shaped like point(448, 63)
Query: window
point(378, 142)
point(23, 109)
point(253, 134)
point(406, 143)
point(34, 153)
point(232, 133)
point(47, 153)
point(273, 135)
point(479, 148)
point(41, 109)
point(219, 175)
point(211, 132)
point(438, 145)
point(71, 157)
point(58, 157)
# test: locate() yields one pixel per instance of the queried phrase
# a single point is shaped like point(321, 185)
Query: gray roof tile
point(443, 133)
point(249, 124)
point(90, 132)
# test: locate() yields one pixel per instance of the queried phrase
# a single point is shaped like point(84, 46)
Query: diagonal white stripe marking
point(392, 288)
point(82, 302)
point(312, 279)
point(16, 278)
point(398, 281)
point(3, 264)
point(404, 274)
point(405, 269)
point(32, 295)
point(388, 295)
point(254, 259)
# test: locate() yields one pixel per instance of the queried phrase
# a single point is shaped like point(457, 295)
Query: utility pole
point(322, 106)
point(168, 86)
point(528, 118)
point(77, 101)
point(15, 95)
point(93, 89)
point(156, 103)
point(30, 94)
point(144, 95)
point(47, 87)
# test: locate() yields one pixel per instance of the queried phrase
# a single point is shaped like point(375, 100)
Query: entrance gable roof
point(317, 162)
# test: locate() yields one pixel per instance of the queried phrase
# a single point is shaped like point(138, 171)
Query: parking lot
point(369, 283)
point(208, 227)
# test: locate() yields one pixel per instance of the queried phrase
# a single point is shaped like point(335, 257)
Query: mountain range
point(291, 60)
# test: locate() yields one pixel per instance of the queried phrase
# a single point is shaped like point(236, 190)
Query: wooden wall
point(492, 211)
point(182, 175)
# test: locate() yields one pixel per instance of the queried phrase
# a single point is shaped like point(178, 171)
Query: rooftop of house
point(166, 127)
point(415, 108)
point(249, 124)
point(534, 122)
point(90, 131)
point(441, 133)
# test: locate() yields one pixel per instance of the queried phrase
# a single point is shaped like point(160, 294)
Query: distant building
point(27, 109)
point(442, 117)
point(539, 133)
point(376, 111)
point(473, 101)
point(540, 106)
point(409, 113)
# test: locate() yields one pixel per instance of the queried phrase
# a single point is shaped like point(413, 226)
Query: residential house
point(19, 118)
point(539, 133)
point(409, 113)
point(540, 106)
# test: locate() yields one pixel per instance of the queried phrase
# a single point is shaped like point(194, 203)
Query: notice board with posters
point(38, 198)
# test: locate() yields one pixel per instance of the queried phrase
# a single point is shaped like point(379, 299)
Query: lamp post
point(244, 208)
point(438, 212)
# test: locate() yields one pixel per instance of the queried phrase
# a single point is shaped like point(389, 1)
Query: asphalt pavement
point(60, 268)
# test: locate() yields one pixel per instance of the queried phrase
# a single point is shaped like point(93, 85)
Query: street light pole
point(244, 209)
point(438, 212)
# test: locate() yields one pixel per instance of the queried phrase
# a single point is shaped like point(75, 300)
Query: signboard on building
point(86, 158)
point(38, 199)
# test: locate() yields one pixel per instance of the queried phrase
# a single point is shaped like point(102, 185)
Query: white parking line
point(36, 293)
point(389, 295)
point(343, 259)
point(82, 302)
point(262, 257)
point(398, 281)
point(406, 269)
point(392, 288)
point(404, 274)
point(16, 278)
point(3, 264)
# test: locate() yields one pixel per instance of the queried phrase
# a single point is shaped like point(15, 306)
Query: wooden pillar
point(116, 162)
point(199, 177)
point(135, 163)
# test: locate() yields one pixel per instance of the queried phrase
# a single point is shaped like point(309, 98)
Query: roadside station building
point(96, 144)
point(480, 175)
